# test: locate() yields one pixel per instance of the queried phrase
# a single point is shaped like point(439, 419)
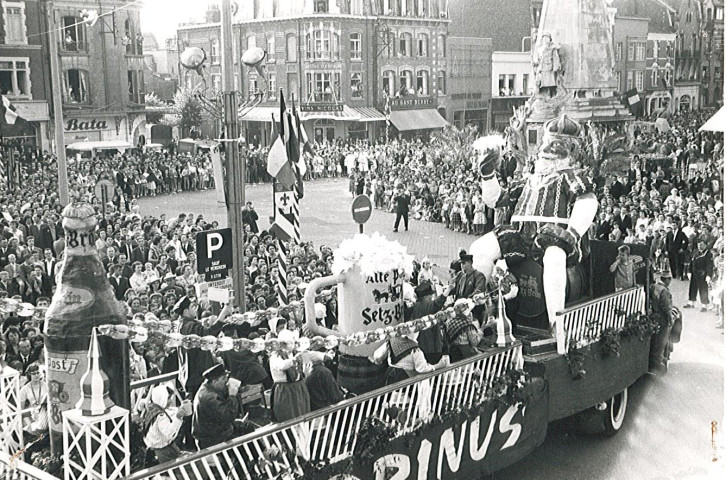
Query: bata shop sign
point(498, 437)
point(85, 125)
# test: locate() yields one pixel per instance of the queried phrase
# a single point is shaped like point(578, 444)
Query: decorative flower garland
point(140, 331)
point(637, 325)
point(376, 434)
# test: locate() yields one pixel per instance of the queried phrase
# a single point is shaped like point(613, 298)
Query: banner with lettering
point(469, 449)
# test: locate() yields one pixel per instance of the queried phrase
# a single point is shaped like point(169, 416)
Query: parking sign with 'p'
point(214, 253)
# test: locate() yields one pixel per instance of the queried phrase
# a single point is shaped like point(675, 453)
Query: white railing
point(331, 433)
point(582, 324)
point(16, 469)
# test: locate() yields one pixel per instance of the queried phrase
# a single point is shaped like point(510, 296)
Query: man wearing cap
point(469, 282)
point(431, 340)
point(661, 304)
point(215, 409)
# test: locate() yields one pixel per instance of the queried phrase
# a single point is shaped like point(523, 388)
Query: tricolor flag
point(7, 111)
point(285, 160)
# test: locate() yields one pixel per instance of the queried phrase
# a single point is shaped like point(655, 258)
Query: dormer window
point(321, 6)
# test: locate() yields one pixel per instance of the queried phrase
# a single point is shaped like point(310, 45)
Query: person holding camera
point(250, 217)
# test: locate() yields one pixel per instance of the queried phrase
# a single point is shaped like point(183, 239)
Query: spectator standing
point(403, 200)
point(701, 273)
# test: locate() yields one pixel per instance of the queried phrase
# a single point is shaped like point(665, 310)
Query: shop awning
point(345, 115)
point(717, 123)
point(369, 114)
point(405, 120)
point(259, 114)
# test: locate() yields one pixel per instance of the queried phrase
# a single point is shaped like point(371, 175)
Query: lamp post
point(229, 112)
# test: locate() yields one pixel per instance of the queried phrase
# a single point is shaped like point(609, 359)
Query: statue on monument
point(547, 66)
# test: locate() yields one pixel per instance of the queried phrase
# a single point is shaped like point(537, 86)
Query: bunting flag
point(282, 274)
point(8, 112)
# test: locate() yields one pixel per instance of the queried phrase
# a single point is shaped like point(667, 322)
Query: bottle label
point(79, 242)
point(74, 298)
point(65, 370)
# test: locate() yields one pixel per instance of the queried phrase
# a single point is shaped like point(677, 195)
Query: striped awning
point(258, 114)
point(369, 114)
point(346, 115)
point(405, 120)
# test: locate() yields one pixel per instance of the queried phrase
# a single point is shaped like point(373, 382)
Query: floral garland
point(637, 325)
point(139, 331)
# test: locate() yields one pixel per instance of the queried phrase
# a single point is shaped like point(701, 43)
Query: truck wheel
point(615, 413)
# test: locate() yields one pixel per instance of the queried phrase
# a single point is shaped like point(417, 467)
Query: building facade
point(512, 84)
point(689, 43)
point(630, 37)
point(712, 54)
point(347, 64)
point(102, 69)
point(23, 72)
point(470, 71)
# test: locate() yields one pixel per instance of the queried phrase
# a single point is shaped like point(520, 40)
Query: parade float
point(579, 345)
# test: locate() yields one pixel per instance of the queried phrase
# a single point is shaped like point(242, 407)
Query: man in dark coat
point(701, 273)
point(677, 246)
point(470, 282)
point(402, 200)
point(249, 217)
point(215, 410)
point(662, 310)
point(431, 340)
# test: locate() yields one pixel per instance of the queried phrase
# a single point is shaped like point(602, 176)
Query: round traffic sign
point(103, 190)
point(362, 209)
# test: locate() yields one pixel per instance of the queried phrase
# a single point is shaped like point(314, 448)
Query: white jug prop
point(370, 272)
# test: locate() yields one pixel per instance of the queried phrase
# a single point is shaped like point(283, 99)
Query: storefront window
point(441, 82)
point(76, 86)
point(422, 82)
point(355, 46)
point(323, 45)
point(324, 131)
point(405, 83)
point(291, 48)
point(356, 85)
point(271, 47)
point(323, 86)
point(74, 35)
point(389, 86)
point(14, 74)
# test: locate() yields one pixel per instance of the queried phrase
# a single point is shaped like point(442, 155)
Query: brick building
point(346, 63)
point(103, 71)
point(712, 53)
point(24, 70)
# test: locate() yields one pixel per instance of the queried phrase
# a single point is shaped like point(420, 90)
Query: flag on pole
point(284, 212)
point(282, 274)
point(8, 112)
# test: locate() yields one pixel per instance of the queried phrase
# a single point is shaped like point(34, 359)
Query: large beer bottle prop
point(370, 297)
point(83, 300)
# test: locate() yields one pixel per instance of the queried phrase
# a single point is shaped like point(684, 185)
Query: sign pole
point(235, 167)
point(56, 78)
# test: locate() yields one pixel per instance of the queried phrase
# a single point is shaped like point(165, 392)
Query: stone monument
point(573, 63)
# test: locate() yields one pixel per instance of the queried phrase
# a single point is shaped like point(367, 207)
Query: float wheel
point(615, 413)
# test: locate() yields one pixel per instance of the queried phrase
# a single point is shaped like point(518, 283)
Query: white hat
point(286, 336)
point(160, 395)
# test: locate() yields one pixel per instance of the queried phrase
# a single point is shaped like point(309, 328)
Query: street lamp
point(225, 107)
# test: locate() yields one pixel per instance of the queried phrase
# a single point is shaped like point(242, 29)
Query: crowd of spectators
point(670, 203)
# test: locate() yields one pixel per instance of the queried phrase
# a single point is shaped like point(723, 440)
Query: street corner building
point(100, 69)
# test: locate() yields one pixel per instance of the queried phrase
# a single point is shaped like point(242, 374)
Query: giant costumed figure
point(555, 206)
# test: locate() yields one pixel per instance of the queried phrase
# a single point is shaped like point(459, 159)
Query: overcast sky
point(161, 17)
